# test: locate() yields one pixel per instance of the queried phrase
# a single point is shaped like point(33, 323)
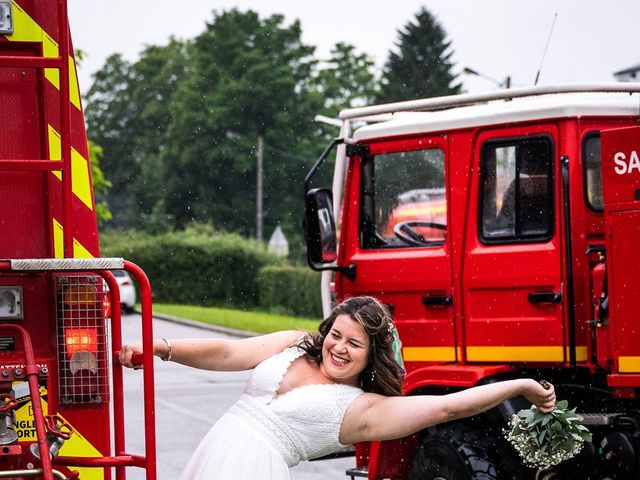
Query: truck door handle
point(545, 297)
point(430, 300)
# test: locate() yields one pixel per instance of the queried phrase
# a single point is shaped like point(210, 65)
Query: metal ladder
point(61, 63)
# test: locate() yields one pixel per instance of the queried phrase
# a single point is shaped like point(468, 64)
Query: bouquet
point(546, 439)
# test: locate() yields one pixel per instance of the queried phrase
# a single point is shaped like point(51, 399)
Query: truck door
point(621, 198)
point(512, 269)
point(396, 221)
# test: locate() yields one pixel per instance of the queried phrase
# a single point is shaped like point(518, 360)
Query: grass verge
point(250, 321)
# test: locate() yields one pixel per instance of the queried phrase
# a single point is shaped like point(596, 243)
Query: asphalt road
point(188, 402)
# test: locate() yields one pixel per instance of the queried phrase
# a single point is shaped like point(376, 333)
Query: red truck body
point(61, 400)
point(528, 271)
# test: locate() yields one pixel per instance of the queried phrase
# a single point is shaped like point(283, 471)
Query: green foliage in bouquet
point(546, 439)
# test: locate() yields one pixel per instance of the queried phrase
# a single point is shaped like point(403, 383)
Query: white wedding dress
point(262, 434)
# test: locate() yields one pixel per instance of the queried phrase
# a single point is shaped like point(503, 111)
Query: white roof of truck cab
point(406, 121)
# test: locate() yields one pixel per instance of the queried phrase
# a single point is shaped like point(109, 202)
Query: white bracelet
point(166, 357)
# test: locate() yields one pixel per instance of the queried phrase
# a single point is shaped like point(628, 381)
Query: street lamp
point(335, 122)
point(506, 83)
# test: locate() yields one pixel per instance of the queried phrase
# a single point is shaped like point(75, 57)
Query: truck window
point(516, 190)
point(403, 200)
point(592, 171)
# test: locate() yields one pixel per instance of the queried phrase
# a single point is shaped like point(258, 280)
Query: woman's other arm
point(375, 417)
point(217, 353)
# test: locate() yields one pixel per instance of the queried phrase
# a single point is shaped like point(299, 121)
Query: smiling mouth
point(338, 360)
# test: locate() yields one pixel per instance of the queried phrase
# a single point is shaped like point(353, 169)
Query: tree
point(347, 80)
point(128, 111)
point(249, 77)
point(109, 112)
point(179, 126)
point(421, 66)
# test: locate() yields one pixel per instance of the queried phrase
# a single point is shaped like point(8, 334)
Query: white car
point(127, 290)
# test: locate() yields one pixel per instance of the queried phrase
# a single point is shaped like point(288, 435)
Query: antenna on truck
point(544, 53)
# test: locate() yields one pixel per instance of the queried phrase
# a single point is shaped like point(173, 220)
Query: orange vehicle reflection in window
point(427, 205)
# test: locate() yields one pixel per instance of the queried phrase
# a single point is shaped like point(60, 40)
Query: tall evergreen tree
point(421, 65)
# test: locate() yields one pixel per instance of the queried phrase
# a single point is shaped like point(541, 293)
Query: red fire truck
point(528, 270)
point(61, 398)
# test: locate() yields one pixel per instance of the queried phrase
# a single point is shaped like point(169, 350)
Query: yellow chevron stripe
point(55, 148)
point(79, 446)
point(27, 30)
point(79, 251)
point(429, 354)
point(80, 183)
point(628, 364)
point(58, 239)
point(76, 446)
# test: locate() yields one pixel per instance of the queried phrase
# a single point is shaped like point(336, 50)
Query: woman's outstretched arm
point(375, 417)
point(217, 353)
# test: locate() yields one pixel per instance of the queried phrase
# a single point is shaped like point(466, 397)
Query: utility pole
point(259, 215)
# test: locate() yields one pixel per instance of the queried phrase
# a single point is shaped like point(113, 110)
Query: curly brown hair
point(382, 374)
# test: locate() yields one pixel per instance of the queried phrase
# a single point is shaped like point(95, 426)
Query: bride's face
point(345, 351)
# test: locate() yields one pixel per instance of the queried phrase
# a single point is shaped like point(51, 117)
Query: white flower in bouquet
point(546, 439)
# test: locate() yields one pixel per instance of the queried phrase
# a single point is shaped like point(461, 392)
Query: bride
point(311, 394)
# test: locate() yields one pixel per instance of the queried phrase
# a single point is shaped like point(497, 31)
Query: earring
point(373, 375)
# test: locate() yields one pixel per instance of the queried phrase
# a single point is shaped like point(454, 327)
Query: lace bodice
point(302, 423)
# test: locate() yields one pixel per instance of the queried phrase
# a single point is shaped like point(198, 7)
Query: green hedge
point(290, 290)
point(196, 268)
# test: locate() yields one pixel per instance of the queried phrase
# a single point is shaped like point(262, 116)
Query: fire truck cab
point(61, 398)
point(517, 260)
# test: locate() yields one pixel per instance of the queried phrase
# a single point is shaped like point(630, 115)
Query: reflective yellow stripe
point(79, 251)
point(629, 364)
point(80, 184)
point(494, 354)
point(76, 446)
point(55, 147)
point(581, 353)
point(74, 93)
point(79, 446)
point(429, 354)
point(515, 354)
point(58, 239)
point(27, 30)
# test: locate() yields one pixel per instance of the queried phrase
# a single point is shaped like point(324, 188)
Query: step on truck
point(503, 231)
point(61, 387)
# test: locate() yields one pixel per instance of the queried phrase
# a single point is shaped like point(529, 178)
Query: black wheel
point(464, 452)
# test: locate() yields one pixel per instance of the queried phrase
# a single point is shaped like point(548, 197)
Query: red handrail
point(31, 371)
point(148, 375)
point(99, 266)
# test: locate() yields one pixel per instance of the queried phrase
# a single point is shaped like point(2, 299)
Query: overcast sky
point(591, 38)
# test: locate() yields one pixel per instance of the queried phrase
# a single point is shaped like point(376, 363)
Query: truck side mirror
point(320, 228)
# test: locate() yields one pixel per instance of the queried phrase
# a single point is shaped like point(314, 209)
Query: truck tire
point(462, 452)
